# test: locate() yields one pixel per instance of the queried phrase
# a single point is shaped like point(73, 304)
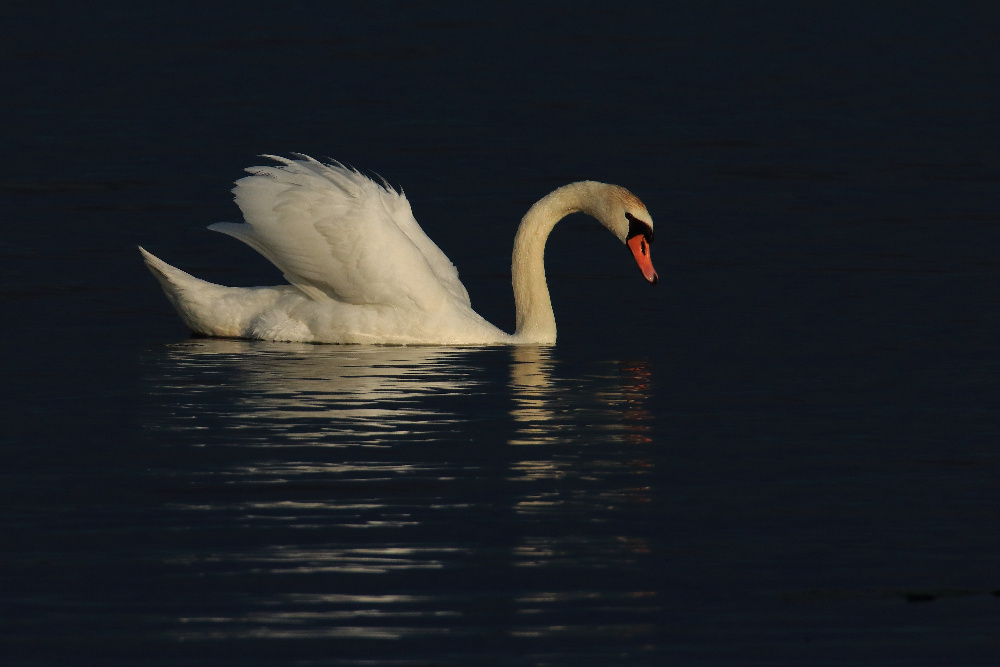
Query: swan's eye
point(637, 227)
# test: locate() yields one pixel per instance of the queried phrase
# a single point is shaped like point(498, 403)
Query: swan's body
point(361, 270)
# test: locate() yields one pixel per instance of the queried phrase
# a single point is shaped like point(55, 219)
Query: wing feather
point(337, 234)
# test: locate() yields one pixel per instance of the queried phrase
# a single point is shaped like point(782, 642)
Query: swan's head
point(627, 218)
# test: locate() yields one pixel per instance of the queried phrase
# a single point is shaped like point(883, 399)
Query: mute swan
point(361, 270)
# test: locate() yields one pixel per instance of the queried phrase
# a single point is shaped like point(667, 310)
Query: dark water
point(783, 454)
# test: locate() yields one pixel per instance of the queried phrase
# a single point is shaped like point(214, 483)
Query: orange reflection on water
point(636, 384)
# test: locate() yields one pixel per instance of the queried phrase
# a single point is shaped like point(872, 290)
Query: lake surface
point(785, 453)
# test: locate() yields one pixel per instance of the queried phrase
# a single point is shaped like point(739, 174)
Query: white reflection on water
point(363, 391)
point(542, 407)
point(377, 462)
point(287, 559)
point(554, 420)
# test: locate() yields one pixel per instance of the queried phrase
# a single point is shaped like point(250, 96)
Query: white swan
point(362, 271)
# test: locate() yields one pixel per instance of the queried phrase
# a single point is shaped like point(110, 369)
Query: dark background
point(825, 182)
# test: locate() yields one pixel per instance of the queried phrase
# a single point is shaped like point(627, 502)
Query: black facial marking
point(637, 227)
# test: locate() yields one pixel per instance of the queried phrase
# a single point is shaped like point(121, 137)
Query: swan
point(361, 270)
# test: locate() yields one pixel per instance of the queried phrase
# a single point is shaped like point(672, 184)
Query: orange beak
point(640, 250)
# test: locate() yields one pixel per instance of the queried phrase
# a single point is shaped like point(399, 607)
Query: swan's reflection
point(531, 390)
point(599, 408)
point(542, 407)
point(582, 454)
point(393, 462)
point(294, 392)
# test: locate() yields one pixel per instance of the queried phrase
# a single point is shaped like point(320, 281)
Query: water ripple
point(398, 493)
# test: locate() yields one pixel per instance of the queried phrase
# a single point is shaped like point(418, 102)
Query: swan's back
point(336, 234)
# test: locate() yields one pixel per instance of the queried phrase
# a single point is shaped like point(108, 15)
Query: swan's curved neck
point(536, 323)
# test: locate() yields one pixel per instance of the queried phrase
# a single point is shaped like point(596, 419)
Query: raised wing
point(336, 234)
point(399, 208)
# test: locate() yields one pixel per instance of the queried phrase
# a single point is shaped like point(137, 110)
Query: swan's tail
point(192, 297)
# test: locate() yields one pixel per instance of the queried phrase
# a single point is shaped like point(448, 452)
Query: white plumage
point(361, 270)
